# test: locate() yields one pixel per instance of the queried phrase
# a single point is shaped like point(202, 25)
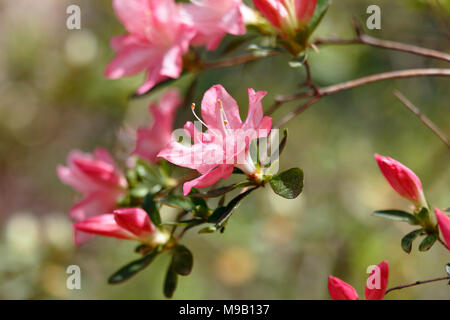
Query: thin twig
point(237, 60)
point(425, 120)
point(384, 44)
point(417, 283)
point(326, 91)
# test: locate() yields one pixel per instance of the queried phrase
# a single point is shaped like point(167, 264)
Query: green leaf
point(182, 260)
point(132, 268)
point(178, 202)
point(428, 242)
point(170, 282)
point(397, 215)
point(238, 171)
point(139, 191)
point(408, 240)
point(221, 214)
point(209, 229)
point(288, 184)
point(215, 192)
point(423, 214)
point(319, 13)
point(149, 205)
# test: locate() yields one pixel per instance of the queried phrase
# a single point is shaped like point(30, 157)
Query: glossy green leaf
point(423, 215)
point(288, 184)
point(428, 242)
point(170, 282)
point(408, 240)
point(132, 268)
point(397, 215)
point(321, 8)
point(182, 260)
point(149, 205)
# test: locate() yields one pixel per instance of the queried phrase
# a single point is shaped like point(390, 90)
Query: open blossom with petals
point(444, 225)
point(375, 288)
point(402, 179)
point(128, 223)
point(97, 178)
point(212, 19)
point(157, 38)
point(226, 142)
point(151, 140)
point(287, 15)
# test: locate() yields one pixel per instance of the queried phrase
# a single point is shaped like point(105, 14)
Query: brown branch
point(386, 44)
point(425, 120)
point(326, 91)
point(417, 283)
point(237, 60)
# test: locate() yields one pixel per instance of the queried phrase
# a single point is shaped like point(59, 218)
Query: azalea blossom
point(444, 225)
point(151, 140)
point(98, 179)
point(225, 144)
point(212, 19)
point(375, 290)
point(287, 15)
point(402, 180)
point(128, 223)
point(157, 39)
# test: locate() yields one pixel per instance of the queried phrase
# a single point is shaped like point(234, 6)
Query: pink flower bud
point(340, 290)
point(128, 223)
point(287, 14)
point(444, 225)
point(402, 179)
point(376, 289)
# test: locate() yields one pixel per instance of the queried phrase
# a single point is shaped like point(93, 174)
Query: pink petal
point(378, 294)
point(255, 109)
point(94, 204)
point(211, 109)
point(209, 178)
point(401, 178)
point(104, 225)
point(130, 61)
point(272, 10)
point(80, 237)
point(134, 14)
point(340, 290)
point(154, 77)
point(444, 225)
point(305, 10)
point(135, 220)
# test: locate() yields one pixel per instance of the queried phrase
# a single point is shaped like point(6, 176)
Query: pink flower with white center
point(226, 142)
point(375, 287)
point(128, 223)
point(151, 140)
point(157, 39)
point(212, 19)
point(402, 180)
point(444, 225)
point(287, 15)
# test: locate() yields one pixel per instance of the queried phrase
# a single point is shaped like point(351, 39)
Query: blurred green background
point(54, 98)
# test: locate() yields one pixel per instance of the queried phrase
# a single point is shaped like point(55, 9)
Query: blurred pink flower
point(156, 41)
point(128, 223)
point(340, 290)
point(97, 178)
point(212, 19)
point(151, 140)
point(226, 142)
point(402, 179)
point(287, 14)
point(444, 225)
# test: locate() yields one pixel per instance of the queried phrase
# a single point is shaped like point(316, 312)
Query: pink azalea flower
point(288, 15)
point(129, 224)
point(213, 19)
point(156, 41)
point(226, 142)
point(444, 225)
point(340, 290)
point(402, 179)
point(98, 179)
point(151, 140)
